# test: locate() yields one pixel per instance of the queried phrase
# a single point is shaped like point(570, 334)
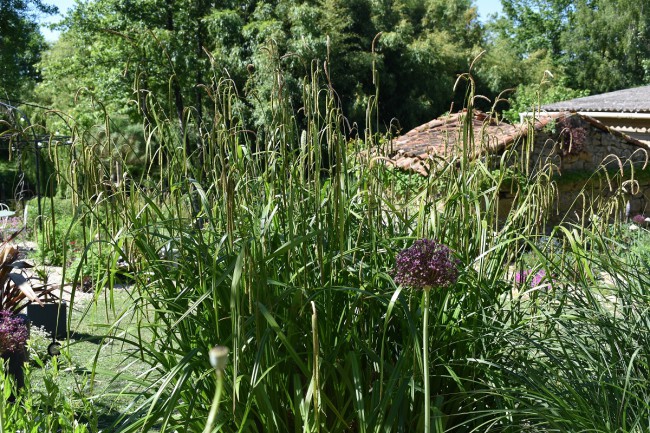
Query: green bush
point(531, 97)
point(39, 340)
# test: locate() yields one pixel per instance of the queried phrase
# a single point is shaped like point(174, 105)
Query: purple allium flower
point(13, 332)
point(539, 277)
point(639, 219)
point(426, 264)
point(522, 276)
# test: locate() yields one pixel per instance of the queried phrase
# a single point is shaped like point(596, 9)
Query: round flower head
point(426, 264)
point(521, 276)
point(639, 219)
point(219, 357)
point(539, 277)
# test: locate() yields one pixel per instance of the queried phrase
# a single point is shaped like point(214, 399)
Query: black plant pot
point(52, 316)
point(16, 362)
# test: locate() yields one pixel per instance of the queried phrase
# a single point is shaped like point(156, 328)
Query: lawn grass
point(93, 366)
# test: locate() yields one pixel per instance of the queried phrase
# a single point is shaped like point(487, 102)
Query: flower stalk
point(218, 360)
point(425, 361)
point(426, 265)
point(314, 327)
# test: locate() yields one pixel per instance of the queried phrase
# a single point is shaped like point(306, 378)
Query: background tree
point(607, 45)
point(534, 25)
point(171, 49)
point(590, 46)
point(21, 45)
point(423, 48)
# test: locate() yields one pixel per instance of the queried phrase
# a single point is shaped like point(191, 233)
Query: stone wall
point(584, 153)
point(576, 143)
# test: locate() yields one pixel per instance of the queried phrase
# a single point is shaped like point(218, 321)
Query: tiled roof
point(441, 138)
point(436, 141)
point(635, 100)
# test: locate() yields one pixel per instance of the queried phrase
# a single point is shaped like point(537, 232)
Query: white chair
point(5, 214)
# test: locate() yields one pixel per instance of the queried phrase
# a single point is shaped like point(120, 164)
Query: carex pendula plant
point(280, 243)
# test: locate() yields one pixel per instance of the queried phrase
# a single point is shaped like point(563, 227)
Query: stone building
point(582, 152)
point(576, 142)
point(626, 111)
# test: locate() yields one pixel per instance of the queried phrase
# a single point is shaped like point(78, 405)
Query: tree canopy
point(594, 45)
point(173, 48)
point(123, 53)
point(21, 45)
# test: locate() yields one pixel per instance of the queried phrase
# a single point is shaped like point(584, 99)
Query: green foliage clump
point(416, 48)
point(8, 177)
point(39, 340)
point(597, 46)
point(44, 406)
point(285, 255)
point(61, 235)
point(529, 98)
point(635, 242)
point(22, 46)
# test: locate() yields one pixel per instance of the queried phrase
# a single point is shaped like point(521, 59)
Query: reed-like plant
point(280, 246)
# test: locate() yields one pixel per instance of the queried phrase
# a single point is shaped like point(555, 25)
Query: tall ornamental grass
point(280, 245)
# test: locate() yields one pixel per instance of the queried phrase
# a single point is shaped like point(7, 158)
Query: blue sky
point(485, 8)
point(63, 6)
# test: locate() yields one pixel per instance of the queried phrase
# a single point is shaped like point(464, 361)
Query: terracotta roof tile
point(440, 138)
point(417, 149)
